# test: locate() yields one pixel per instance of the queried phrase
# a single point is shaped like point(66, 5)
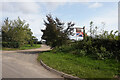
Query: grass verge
point(82, 67)
point(26, 46)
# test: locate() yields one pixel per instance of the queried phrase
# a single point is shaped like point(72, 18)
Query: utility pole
point(119, 20)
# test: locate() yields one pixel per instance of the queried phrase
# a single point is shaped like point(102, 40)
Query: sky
point(81, 13)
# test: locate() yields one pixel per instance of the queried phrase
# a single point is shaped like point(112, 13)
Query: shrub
point(11, 44)
point(105, 55)
point(63, 48)
point(79, 52)
point(82, 52)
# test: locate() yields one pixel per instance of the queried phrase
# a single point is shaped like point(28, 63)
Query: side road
point(23, 64)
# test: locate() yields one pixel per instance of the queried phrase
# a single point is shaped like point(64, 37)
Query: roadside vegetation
point(96, 56)
point(85, 59)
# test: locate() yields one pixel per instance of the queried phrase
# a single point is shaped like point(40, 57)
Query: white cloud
point(28, 7)
point(59, 0)
point(95, 5)
point(52, 6)
point(24, 7)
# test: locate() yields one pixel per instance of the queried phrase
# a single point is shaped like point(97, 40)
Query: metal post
point(76, 33)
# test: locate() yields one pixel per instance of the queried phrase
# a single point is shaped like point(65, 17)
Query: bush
point(11, 44)
point(82, 52)
point(65, 48)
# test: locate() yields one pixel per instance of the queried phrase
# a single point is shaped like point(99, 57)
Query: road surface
point(23, 64)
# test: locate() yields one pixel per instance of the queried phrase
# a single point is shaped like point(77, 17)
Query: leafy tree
point(110, 35)
point(93, 30)
point(91, 25)
point(16, 31)
point(55, 34)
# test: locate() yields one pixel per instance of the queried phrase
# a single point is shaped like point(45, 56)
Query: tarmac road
point(23, 64)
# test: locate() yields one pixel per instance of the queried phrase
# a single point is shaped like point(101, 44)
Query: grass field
point(83, 67)
point(26, 46)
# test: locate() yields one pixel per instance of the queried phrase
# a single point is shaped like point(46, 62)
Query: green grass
point(83, 67)
point(26, 46)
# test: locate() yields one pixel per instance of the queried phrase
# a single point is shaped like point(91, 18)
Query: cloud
point(59, 0)
point(95, 5)
point(28, 7)
point(52, 6)
point(24, 7)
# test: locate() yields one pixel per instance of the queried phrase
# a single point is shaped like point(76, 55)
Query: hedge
point(97, 48)
point(11, 44)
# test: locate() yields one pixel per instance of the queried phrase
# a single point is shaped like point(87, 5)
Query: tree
point(16, 31)
point(91, 25)
point(111, 35)
point(55, 34)
point(93, 30)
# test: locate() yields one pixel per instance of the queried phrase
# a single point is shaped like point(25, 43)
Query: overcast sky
point(81, 13)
